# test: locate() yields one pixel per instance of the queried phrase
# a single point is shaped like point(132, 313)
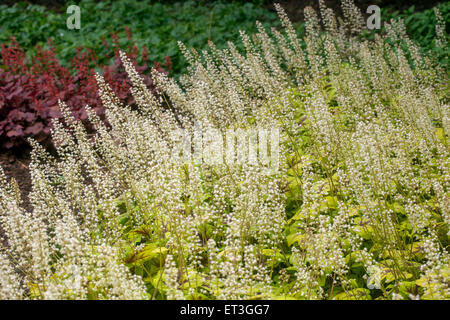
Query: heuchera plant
point(30, 88)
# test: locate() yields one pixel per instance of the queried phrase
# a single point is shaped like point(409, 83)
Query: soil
point(15, 165)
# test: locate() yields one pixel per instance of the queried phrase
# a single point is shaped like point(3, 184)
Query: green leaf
point(150, 251)
point(355, 294)
point(440, 134)
point(292, 238)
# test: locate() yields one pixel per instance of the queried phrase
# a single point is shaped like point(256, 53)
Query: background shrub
point(31, 87)
point(158, 26)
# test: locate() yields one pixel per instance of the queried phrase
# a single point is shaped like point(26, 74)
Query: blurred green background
point(160, 24)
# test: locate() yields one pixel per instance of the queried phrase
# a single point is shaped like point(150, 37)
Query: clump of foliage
point(358, 208)
point(156, 25)
point(29, 90)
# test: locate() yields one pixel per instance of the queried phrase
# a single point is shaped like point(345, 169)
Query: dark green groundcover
point(160, 24)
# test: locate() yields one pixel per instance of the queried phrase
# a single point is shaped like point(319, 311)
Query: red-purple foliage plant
point(30, 90)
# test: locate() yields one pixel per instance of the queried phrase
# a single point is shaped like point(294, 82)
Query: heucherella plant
point(357, 206)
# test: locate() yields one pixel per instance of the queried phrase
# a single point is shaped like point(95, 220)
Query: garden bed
point(300, 165)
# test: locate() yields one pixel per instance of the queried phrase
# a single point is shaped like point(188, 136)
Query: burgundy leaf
point(29, 116)
point(35, 128)
point(16, 132)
